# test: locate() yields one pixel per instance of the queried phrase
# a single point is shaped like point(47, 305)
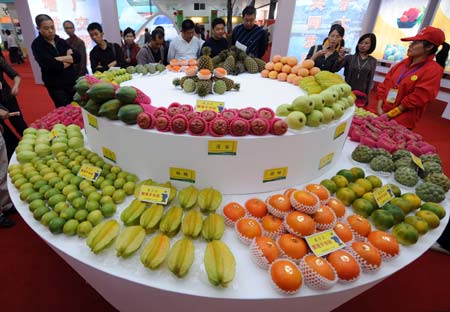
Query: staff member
point(414, 82)
point(56, 59)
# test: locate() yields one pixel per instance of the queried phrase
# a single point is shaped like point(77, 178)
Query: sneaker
point(5, 222)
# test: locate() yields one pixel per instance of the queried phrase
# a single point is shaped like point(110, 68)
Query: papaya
point(92, 107)
point(81, 87)
point(126, 94)
point(128, 113)
point(101, 92)
point(109, 109)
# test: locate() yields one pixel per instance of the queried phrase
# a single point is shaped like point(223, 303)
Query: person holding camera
point(326, 55)
point(359, 68)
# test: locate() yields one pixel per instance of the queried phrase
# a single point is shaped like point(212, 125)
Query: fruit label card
point(275, 174)
point(215, 106)
point(182, 174)
point(326, 160)
point(222, 147)
point(92, 120)
point(109, 154)
point(154, 194)
point(417, 161)
point(383, 195)
point(89, 172)
point(53, 134)
point(340, 130)
point(324, 242)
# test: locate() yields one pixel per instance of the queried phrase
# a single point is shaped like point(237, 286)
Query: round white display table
point(129, 286)
point(298, 155)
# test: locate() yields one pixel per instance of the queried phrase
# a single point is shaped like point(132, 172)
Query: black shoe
point(10, 211)
point(5, 222)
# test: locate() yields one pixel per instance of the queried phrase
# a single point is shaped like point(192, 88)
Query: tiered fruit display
point(316, 109)
point(320, 81)
point(387, 134)
point(287, 68)
point(236, 61)
point(361, 112)
point(144, 69)
point(182, 119)
point(207, 80)
point(182, 65)
point(67, 115)
point(115, 76)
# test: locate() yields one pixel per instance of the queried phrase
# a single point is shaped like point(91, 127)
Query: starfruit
point(220, 264)
point(150, 217)
point(187, 197)
point(181, 257)
point(213, 227)
point(209, 199)
point(155, 252)
point(131, 214)
point(129, 240)
point(102, 235)
point(192, 223)
point(173, 190)
point(171, 221)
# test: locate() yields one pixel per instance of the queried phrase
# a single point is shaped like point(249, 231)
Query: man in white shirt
point(186, 46)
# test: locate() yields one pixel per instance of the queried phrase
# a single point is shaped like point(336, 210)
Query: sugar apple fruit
point(400, 154)
point(381, 151)
point(382, 163)
point(406, 176)
point(362, 153)
point(430, 192)
point(431, 157)
point(404, 162)
point(429, 167)
point(440, 179)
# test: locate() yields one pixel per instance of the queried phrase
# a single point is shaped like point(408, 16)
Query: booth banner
point(442, 21)
point(81, 13)
point(313, 19)
point(397, 19)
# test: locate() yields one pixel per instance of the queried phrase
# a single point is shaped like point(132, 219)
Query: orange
point(173, 62)
point(268, 247)
point(300, 223)
point(279, 202)
point(286, 275)
point(303, 72)
point(289, 192)
point(337, 206)
point(286, 69)
point(314, 71)
point(265, 73)
point(308, 64)
point(320, 266)
point(269, 66)
point(320, 190)
point(324, 215)
point(248, 228)
point(296, 80)
point(233, 211)
point(273, 74)
point(384, 242)
point(282, 77)
point(271, 223)
point(295, 69)
point(276, 58)
point(290, 77)
point(369, 253)
point(192, 62)
point(291, 60)
point(284, 59)
point(359, 224)
point(347, 268)
point(305, 198)
point(343, 231)
point(292, 246)
point(278, 66)
point(256, 207)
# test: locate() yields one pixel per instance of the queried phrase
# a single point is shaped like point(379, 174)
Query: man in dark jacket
point(56, 59)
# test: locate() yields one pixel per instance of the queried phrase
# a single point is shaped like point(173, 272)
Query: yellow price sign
point(53, 134)
point(182, 174)
point(340, 130)
point(109, 154)
point(383, 195)
point(275, 174)
point(203, 105)
point(224, 147)
point(154, 194)
point(89, 172)
point(324, 242)
point(92, 120)
point(326, 160)
point(417, 161)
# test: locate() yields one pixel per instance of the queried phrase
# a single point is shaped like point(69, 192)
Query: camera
point(347, 50)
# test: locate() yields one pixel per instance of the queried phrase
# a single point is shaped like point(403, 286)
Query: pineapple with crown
point(205, 61)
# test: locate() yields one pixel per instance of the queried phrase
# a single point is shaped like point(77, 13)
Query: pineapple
point(229, 64)
point(240, 68)
point(261, 64)
point(251, 65)
point(204, 61)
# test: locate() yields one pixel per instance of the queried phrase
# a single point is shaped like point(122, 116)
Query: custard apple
point(429, 167)
point(381, 151)
point(440, 179)
point(405, 162)
point(430, 192)
point(362, 153)
point(382, 163)
point(406, 176)
point(400, 154)
point(431, 157)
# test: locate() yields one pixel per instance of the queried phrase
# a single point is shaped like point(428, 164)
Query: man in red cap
point(414, 82)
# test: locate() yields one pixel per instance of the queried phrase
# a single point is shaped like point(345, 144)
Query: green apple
point(296, 120)
point(314, 119)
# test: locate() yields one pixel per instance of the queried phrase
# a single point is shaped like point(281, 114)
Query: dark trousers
point(10, 102)
point(10, 139)
point(62, 95)
point(14, 55)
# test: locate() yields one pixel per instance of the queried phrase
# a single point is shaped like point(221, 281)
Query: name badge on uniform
point(241, 46)
point(392, 95)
